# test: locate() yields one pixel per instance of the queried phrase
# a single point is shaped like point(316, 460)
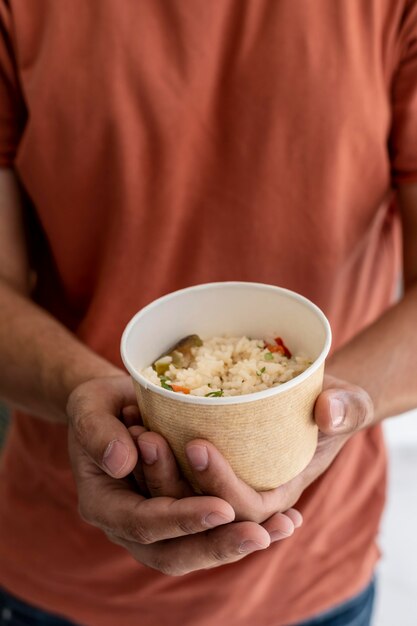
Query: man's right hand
point(175, 535)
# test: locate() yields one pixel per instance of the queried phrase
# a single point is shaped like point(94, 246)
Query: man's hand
point(340, 411)
point(173, 531)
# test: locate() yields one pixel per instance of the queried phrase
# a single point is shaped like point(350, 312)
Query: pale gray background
point(397, 597)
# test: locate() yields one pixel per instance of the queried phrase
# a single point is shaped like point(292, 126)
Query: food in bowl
point(225, 366)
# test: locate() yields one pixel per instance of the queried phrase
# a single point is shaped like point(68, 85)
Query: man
point(162, 144)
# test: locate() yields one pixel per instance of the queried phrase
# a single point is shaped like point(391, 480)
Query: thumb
point(93, 409)
point(343, 408)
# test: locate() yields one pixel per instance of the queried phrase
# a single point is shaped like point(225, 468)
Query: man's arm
point(48, 372)
point(383, 358)
point(41, 362)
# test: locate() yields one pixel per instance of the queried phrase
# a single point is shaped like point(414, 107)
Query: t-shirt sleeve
point(403, 139)
point(11, 100)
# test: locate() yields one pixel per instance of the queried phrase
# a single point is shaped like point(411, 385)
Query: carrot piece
point(273, 348)
point(179, 388)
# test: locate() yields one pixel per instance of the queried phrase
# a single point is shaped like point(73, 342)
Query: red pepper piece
point(280, 342)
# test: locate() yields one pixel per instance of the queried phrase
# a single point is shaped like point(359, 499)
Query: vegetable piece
point(273, 348)
point(180, 388)
point(172, 386)
point(269, 356)
point(162, 365)
point(181, 352)
point(191, 341)
point(280, 342)
point(261, 371)
point(214, 394)
point(177, 359)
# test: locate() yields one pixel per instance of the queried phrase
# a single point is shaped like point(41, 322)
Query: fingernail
point(277, 535)
point(215, 519)
point(250, 546)
point(198, 457)
point(115, 457)
point(148, 452)
point(337, 412)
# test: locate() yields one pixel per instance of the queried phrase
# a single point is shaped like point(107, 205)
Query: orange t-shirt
point(168, 143)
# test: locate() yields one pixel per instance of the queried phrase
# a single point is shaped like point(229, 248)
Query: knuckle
point(140, 533)
point(72, 403)
point(154, 484)
point(167, 567)
point(363, 411)
point(188, 527)
point(186, 523)
point(220, 554)
point(89, 515)
point(83, 425)
point(85, 512)
point(118, 541)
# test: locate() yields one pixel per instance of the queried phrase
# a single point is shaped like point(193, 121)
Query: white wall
point(402, 431)
point(397, 596)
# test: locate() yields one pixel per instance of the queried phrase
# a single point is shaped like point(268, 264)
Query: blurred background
point(397, 597)
point(397, 573)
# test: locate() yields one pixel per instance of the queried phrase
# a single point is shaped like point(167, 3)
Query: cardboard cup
point(269, 436)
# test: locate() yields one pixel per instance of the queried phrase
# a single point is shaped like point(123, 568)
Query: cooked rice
point(231, 366)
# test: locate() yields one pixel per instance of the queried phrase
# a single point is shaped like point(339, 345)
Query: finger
point(160, 468)
point(214, 476)
point(110, 505)
point(131, 416)
point(223, 545)
point(92, 410)
point(343, 410)
point(282, 525)
point(135, 432)
point(295, 516)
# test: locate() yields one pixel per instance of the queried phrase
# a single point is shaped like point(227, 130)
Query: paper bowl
point(269, 436)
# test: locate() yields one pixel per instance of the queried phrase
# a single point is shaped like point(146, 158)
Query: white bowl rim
point(244, 398)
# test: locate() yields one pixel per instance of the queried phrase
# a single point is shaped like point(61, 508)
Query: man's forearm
point(41, 362)
point(383, 359)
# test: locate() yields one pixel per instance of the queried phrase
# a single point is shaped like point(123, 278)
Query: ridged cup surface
point(268, 437)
